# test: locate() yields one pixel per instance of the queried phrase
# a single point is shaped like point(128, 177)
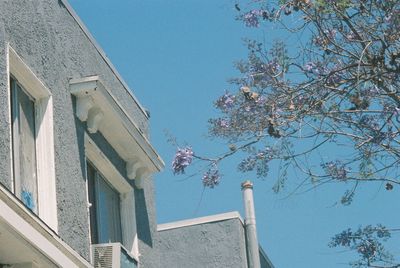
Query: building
point(213, 241)
point(75, 179)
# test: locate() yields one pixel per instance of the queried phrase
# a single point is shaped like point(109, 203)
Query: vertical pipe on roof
point(253, 255)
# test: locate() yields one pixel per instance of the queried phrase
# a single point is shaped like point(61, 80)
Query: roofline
point(102, 54)
point(201, 220)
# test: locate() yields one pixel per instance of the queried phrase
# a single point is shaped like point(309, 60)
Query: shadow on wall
point(142, 218)
point(80, 134)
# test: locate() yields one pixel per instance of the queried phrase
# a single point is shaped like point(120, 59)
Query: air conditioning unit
point(112, 255)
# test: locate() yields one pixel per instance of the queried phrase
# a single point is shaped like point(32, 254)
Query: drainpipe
point(253, 255)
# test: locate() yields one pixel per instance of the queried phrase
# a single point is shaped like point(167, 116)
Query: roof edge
point(200, 220)
point(85, 30)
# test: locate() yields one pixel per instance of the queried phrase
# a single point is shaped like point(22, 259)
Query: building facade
point(75, 176)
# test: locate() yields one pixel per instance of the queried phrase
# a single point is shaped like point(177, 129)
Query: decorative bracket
point(132, 168)
point(136, 170)
point(143, 174)
point(83, 105)
point(96, 115)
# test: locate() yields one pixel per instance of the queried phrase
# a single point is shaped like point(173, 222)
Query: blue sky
point(176, 56)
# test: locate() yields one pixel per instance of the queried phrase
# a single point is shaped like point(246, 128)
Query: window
point(24, 146)
point(32, 141)
point(111, 202)
point(105, 217)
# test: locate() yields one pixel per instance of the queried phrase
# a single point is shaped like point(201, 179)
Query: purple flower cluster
point(261, 101)
point(273, 66)
point(309, 66)
point(367, 249)
point(251, 18)
point(258, 162)
point(314, 68)
point(247, 164)
point(366, 241)
point(223, 123)
point(211, 177)
point(270, 67)
point(335, 169)
point(392, 18)
point(183, 158)
point(334, 74)
point(225, 102)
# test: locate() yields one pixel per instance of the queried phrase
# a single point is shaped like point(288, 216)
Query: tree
point(338, 88)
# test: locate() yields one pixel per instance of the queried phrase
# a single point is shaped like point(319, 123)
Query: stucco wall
point(53, 45)
point(209, 245)
point(147, 226)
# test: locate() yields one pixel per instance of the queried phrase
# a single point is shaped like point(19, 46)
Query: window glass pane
point(105, 210)
point(91, 173)
point(23, 114)
point(108, 215)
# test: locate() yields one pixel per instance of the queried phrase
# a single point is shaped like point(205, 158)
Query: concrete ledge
point(99, 108)
point(29, 228)
point(201, 220)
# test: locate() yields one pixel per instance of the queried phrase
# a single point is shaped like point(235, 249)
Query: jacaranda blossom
point(211, 177)
point(183, 158)
point(226, 101)
point(251, 19)
point(335, 169)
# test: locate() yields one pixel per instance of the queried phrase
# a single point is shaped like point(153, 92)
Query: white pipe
point(250, 226)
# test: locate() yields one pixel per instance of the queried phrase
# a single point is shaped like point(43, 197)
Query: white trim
point(201, 220)
point(16, 216)
point(10, 122)
point(45, 161)
point(72, 12)
point(88, 206)
point(128, 224)
point(96, 105)
point(127, 206)
point(25, 76)
point(104, 165)
point(47, 202)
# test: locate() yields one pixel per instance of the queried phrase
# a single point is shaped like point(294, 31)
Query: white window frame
point(44, 141)
point(126, 192)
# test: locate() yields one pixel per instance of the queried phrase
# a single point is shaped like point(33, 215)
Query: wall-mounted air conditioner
point(112, 255)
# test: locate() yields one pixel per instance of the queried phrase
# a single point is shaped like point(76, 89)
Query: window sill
point(25, 228)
